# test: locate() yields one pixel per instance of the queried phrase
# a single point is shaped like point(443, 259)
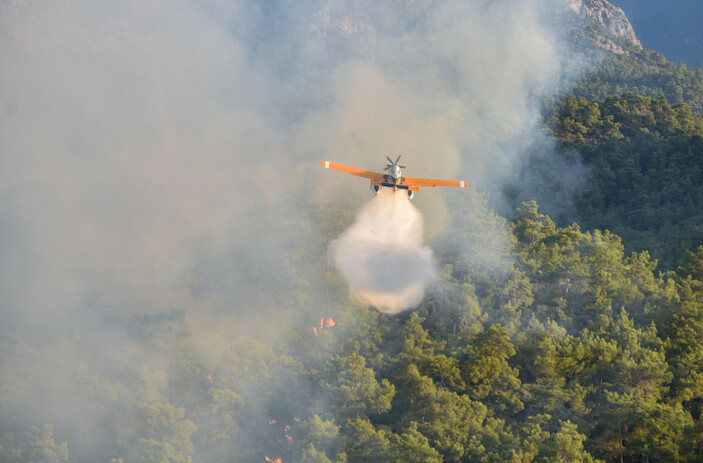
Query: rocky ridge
point(612, 18)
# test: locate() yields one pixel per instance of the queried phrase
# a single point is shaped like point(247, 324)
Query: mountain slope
point(616, 63)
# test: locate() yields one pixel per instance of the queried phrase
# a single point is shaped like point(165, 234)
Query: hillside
point(170, 243)
point(628, 146)
point(638, 170)
point(642, 72)
point(576, 352)
point(611, 60)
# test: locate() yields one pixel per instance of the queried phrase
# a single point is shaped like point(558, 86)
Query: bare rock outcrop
point(609, 16)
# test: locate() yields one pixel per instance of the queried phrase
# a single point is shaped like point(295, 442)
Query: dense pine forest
point(568, 327)
point(574, 351)
point(639, 165)
point(644, 72)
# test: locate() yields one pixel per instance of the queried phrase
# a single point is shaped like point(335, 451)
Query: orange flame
point(324, 323)
point(274, 460)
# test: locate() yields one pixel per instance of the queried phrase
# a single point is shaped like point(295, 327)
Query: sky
point(670, 27)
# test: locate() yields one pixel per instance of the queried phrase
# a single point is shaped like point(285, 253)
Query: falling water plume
point(381, 254)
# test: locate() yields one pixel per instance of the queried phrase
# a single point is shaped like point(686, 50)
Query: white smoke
point(153, 154)
point(382, 256)
point(162, 156)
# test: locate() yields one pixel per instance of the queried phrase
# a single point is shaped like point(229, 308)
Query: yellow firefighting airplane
point(393, 179)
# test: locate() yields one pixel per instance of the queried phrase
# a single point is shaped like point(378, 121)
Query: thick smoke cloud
point(144, 144)
point(153, 154)
point(382, 255)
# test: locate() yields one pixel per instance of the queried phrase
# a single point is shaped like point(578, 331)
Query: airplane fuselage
point(395, 173)
point(393, 182)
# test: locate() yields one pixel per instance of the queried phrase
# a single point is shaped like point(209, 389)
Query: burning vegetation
point(324, 323)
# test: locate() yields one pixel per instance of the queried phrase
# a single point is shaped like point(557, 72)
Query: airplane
point(394, 179)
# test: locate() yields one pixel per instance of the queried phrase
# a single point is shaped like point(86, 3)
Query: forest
point(566, 326)
point(636, 70)
point(573, 350)
point(644, 159)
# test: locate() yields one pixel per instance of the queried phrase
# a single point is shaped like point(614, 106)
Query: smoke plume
point(382, 256)
point(159, 160)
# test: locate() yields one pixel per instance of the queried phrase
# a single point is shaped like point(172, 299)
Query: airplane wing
point(433, 182)
point(353, 170)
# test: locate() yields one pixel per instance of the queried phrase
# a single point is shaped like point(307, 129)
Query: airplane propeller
point(394, 163)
